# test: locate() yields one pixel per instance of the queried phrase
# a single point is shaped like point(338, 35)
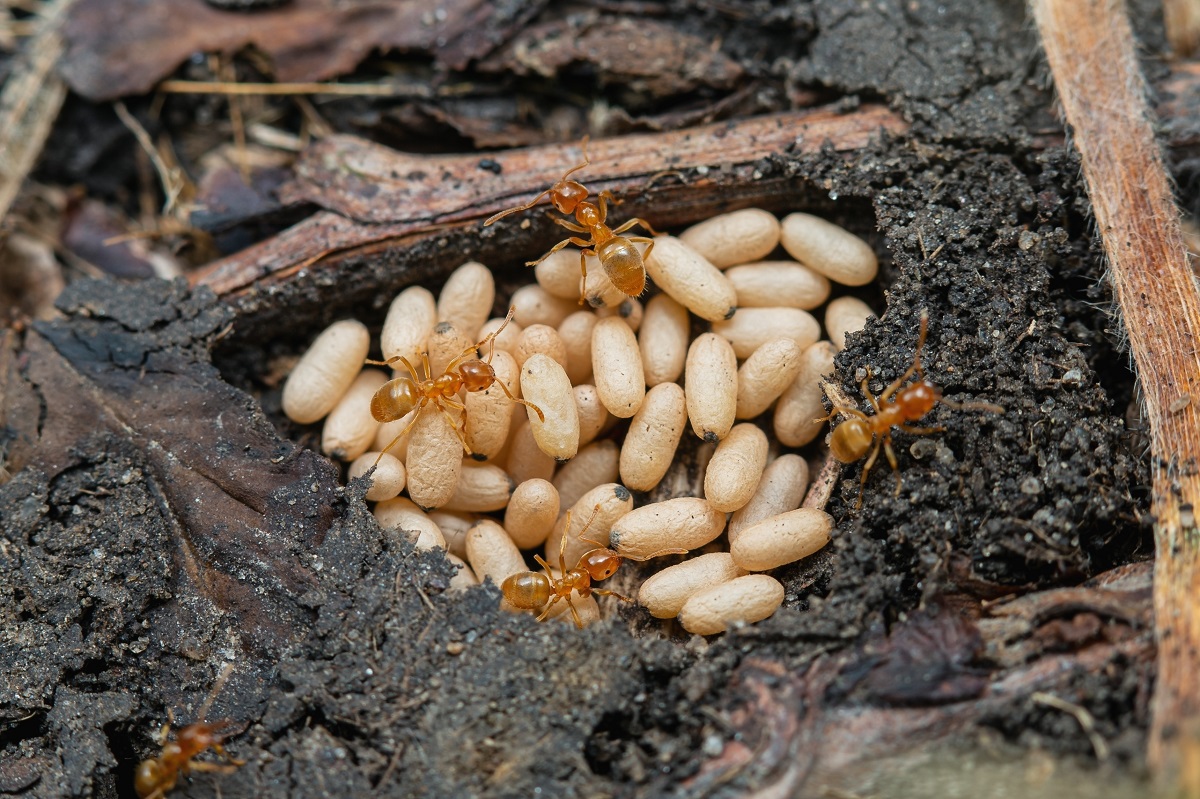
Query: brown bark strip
point(375, 196)
point(1090, 50)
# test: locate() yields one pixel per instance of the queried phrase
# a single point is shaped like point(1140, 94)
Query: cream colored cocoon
point(664, 594)
point(769, 284)
point(350, 428)
point(489, 412)
point(734, 238)
point(410, 320)
point(753, 327)
point(710, 385)
point(800, 410)
point(617, 367)
point(325, 371)
point(387, 481)
point(766, 373)
point(481, 487)
point(653, 437)
point(846, 315)
point(781, 489)
point(492, 554)
point(403, 514)
point(742, 600)
point(831, 250)
point(683, 523)
point(781, 539)
point(531, 513)
point(434, 460)
point(691, 280)
point(544, 383)
point(466, 299)
point(663, 340)
point(736, 468)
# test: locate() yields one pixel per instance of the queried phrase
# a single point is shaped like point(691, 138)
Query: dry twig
point(1091, 52)
point(32, 97)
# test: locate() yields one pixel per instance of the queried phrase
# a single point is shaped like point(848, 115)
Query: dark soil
point(161, 521)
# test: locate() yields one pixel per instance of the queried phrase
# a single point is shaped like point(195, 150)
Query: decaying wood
point(32, 97)
point(376, 197)
point(1090, 49)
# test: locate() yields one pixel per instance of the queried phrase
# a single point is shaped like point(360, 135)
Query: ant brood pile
point(518, 415)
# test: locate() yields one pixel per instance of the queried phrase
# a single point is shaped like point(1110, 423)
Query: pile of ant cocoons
point(587, 367)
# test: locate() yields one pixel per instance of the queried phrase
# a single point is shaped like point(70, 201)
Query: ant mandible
point(157, 775)
point(535, 591)
point(398, 397)
point(622, 262)
point(895, 407)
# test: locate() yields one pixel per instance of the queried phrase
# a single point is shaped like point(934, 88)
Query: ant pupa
point(540, 592)
point(398, 397)
point(862, 435)
point(622, 261)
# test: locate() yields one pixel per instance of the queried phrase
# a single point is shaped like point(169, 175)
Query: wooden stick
point(1091, 52)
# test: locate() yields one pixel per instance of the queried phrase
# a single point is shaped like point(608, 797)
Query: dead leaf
point(122, 47)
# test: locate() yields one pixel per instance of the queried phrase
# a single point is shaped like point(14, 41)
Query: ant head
point(394, 399)
point(600, 564)
point(850, 440)
point(477, 375)
point(918, 399)
point(567, 195)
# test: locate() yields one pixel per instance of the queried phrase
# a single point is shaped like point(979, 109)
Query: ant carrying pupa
point(540, 592)
point(398, 397)
point(156, 776)
point(863, 435)
point(622, 261)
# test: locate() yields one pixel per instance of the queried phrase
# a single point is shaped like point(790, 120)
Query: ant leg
point(549, 605)
point(571, 226)
point(459, 426)
point(218, 768)
point(606, 592)
point(648, 242)
point(415, 412)
point(891, 456)
point(894, 386)
point(574, 613)
point(388, 362)
point(220, 750)
point(583, 254)
point(862, 484)
point(844, 409)
point(526, 403)
point(866, 391)
point(921, 431)
point(637, 220)
point(573, 240)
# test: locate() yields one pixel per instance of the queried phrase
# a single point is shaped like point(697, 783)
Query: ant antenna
point(222, 678)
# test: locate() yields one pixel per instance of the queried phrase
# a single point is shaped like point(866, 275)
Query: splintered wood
point(1091, 52)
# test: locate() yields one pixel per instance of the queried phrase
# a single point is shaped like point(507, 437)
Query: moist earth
point(165, 522)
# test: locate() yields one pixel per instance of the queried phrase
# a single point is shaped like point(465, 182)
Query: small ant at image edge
point(862, 435)
point(156, 776)
point(540, 592)
point(399, 396)
point(622, 261)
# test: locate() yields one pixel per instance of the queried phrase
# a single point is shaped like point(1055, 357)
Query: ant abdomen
point(527, 590)
point(394, 400)
point(624, 264)
point(850, 440)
